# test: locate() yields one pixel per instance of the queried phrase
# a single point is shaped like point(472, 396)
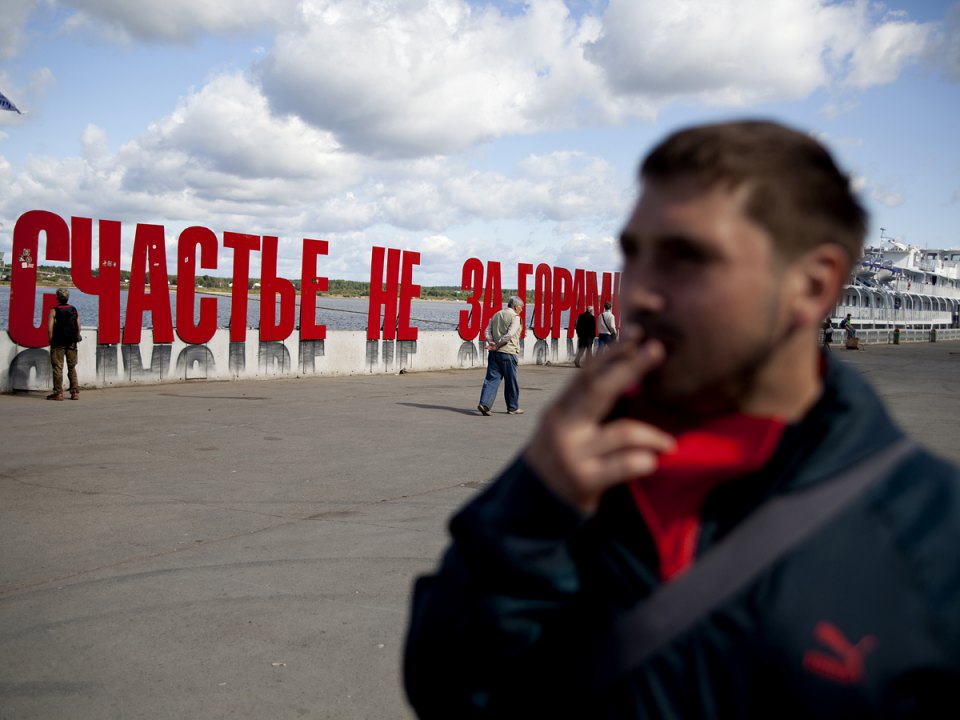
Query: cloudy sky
point(500, 129)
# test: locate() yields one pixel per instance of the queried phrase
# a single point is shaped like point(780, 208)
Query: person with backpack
point(63, 332)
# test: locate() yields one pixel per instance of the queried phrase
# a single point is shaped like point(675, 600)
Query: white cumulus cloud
point(882, 53)
point(14, 16)
point(426, 77)
point(180, 20)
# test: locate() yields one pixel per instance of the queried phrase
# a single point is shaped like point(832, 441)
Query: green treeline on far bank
point(56, 275)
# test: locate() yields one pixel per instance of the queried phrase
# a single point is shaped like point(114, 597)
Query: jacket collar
point(847, 424)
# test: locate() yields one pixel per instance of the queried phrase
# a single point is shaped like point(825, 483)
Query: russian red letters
point(556, 290)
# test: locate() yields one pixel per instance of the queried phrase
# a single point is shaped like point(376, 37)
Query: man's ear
point(817, 279)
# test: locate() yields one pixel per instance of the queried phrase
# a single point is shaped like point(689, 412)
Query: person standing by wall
point(827, 333)
point(586, 329)
point(607, 325)
point(503, 356)
point(63, 332)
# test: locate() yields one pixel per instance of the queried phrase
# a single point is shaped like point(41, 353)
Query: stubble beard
point(672, 397)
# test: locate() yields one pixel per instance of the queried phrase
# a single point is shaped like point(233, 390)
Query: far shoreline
point(250, 293)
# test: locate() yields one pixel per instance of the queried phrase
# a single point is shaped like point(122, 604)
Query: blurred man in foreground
point(715, 519)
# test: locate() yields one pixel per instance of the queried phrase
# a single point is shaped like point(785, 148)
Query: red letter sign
point(472, 279)
point(242, 246)
point(189, 331)
point(23, 278)
point(275, 289)
point(383, 298)
point(310, 285)
point(106, 283)
point(149, 260)
point(523, 271)
point(562, 298)
point(492, 293)
point(541, 301)
point(408, 291)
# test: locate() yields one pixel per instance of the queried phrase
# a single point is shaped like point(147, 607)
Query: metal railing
point(887, 336)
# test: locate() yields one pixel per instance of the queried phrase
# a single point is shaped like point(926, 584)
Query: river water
point(335, 313)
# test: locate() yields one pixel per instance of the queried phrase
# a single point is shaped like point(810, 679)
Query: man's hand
point(576, 454)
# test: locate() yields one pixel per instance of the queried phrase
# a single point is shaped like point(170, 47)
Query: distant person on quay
point(63, 332)
point(586, 329)
point(827, 333)
point(847, 326)
point(606, 326)
point(503, 356)
point(716, 519)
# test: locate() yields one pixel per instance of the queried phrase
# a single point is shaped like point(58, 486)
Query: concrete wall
point(341, 353)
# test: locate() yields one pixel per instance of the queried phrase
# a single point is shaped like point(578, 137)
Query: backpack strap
point(761, 539)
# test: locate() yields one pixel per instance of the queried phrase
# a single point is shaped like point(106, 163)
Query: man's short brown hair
point(796, 191)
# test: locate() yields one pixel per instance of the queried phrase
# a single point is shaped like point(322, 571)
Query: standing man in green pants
point(63, 331)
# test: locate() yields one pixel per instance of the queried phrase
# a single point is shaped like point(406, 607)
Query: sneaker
point(55, 396)
point(484, 410)
point(515, 411)
point(74, 394)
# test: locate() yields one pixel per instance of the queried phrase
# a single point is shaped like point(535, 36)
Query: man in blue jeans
point(503, 355)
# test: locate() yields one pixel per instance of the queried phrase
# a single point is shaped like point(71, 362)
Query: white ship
point(895, 285)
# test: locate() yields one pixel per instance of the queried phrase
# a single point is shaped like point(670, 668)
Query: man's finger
point(622, 467)
point(601, 474)
point(626, 434)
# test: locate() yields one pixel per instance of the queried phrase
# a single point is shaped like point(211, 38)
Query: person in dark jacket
point(63, 332)
point(586, 329)
point(847, 326)
point(668, 447)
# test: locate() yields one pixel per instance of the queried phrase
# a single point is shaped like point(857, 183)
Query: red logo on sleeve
point(845, 664)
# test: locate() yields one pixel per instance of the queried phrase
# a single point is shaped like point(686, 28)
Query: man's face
point(701, 277)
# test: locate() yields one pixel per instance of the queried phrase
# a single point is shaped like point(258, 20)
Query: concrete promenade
point(246, 549)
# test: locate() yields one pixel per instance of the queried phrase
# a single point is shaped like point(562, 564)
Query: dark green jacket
point(861, 620)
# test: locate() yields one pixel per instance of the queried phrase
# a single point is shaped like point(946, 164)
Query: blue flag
point(7, 105)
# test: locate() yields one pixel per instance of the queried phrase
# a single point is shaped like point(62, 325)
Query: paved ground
point(246, 549)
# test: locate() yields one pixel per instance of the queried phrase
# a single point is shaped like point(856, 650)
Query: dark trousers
point(584, 348)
